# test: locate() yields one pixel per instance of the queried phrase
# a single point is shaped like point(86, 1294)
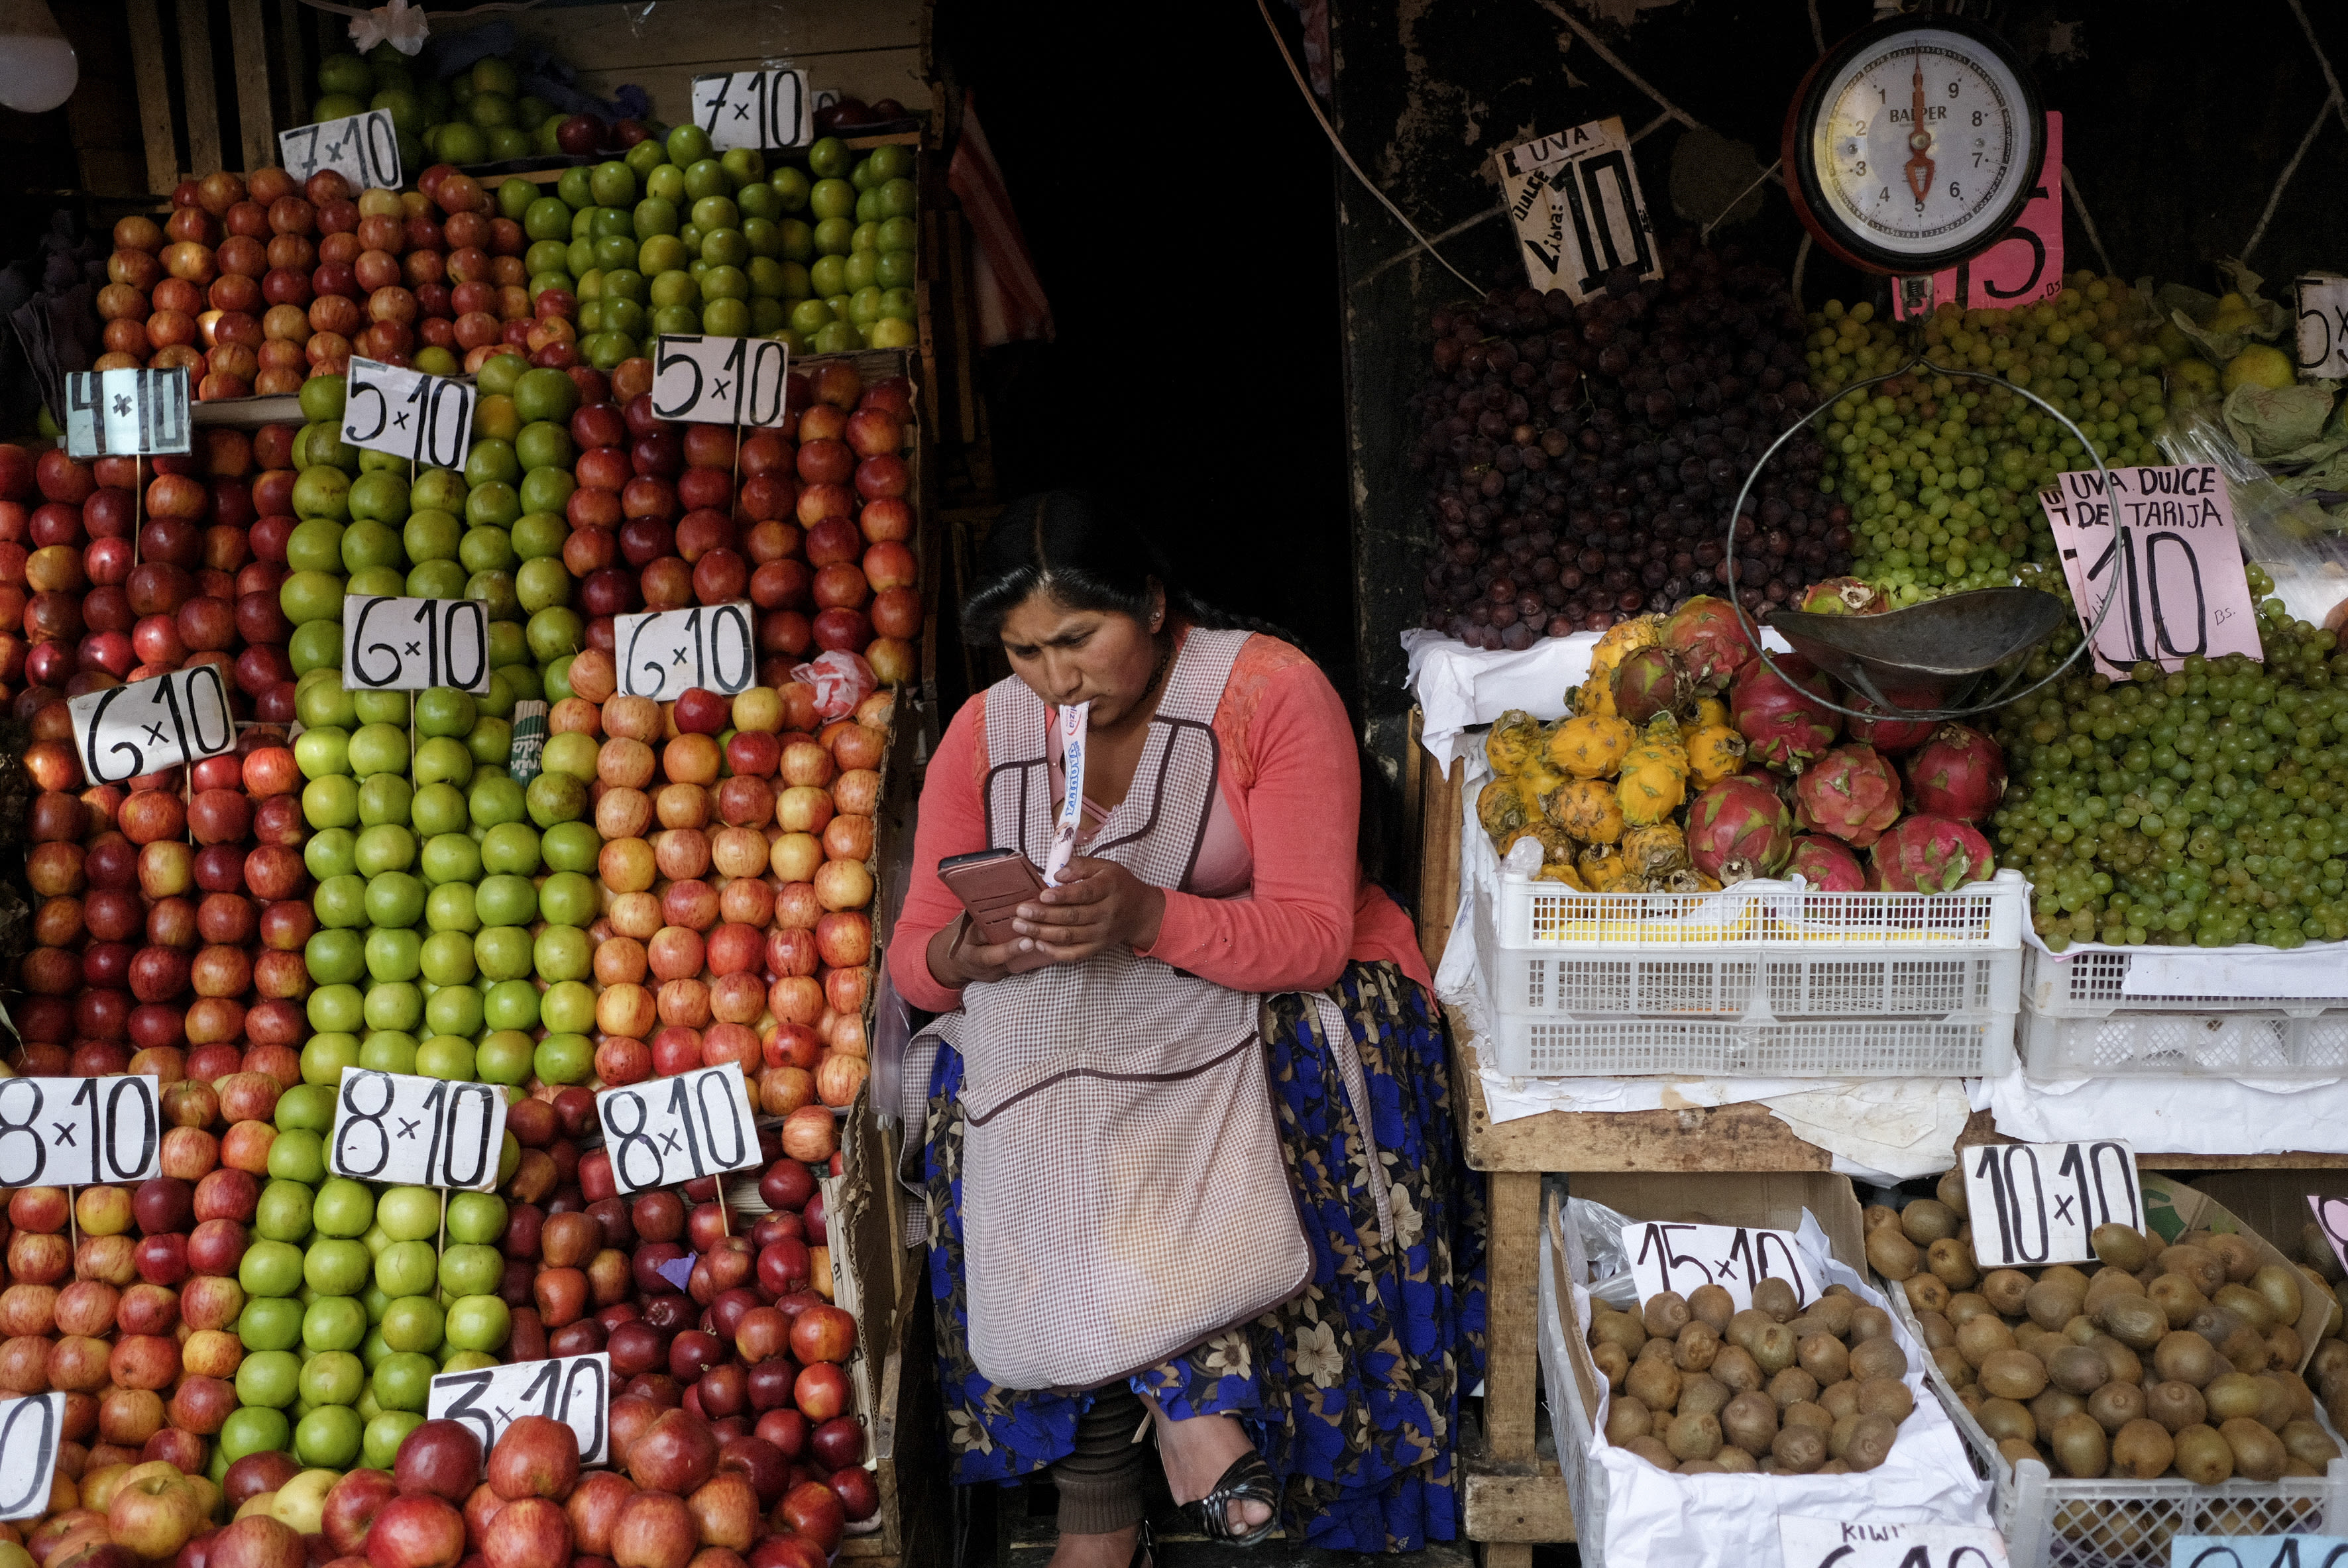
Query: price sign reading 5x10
point(670, 651)
point(417, 1131)
point(148, 726)
point(573, 1390)
point(2035, 1203)
point(425, 418)
point(720, 380)
point(671, 1131)
point(77, 1132)
point(408, 645)
point(1683, 1257)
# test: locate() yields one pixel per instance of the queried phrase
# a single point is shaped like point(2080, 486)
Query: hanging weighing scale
point(1910, 147)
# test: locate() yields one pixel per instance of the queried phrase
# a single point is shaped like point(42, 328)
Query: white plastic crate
point(2061, 1523)
point(2214, 1044)
point(1763, 978)
point(2093, 982)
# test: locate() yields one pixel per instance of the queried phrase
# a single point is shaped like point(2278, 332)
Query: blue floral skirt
point(1351, 1391)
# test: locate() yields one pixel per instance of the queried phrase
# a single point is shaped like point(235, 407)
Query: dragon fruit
point(1709, 642)
point(1851, 793)
point(1959, 773)
point(1927, 853)
point(1894, 736)
point(1739, 828)
point(1647, 682)
point(1826, 864)
point(1784, 724)
point(1841, 596)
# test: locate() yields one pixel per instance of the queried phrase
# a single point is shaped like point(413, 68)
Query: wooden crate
point(215, 80)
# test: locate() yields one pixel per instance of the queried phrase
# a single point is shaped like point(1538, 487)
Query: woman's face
point(1064, 655)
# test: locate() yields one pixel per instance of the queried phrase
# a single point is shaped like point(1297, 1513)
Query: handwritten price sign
point(1574, 200)
point(754, 109)
point(2176, 569)
point(2036, 1203)
point(364, 149)
point(667, 651)
point(1683, 1257)
point(675, 1130)
point(2024, 265)
point(720, 380)
point(31, 1434)
point(425, 418)
point(126, 413)
point(573, 1390)
point(148, 726)
point(1836, 1543)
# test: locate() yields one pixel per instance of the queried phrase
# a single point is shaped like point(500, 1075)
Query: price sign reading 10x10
point(78, 1132)
point(671, 1131)
point(417, 1131)
point(668, 651)
point(2035, 1203)
point(410, 644)
point(148, 726)
point(573, 1390)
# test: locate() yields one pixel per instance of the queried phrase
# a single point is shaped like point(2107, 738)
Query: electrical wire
point(1330, 132)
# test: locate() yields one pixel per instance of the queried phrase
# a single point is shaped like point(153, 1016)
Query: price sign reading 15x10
point(78, 1132)
point(425, 418)
point(2035, 1203)
point(573, 1390)
point(417, 1131)
point(671, 1130)
point(148, 726)
point(669, 651)
point(408, 645)
point(1684, 1257)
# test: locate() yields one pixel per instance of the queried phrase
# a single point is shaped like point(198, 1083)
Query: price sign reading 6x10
point(671, 1130)
point(671, 651)
point(2035, 1203)
point(148, 726)
point(78, 1132)
point(425, 418)
point(408, 645)
point(417, 1131)
point(573, 1390)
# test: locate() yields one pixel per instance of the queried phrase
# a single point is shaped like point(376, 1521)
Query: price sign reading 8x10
point(2035, 1203)
point(573, 1390)
point(670, 651)
point(407, 414)
point(720, 380)
point(78, 1132)
point(408, 645)
point(148, 726)
point(671, 1131)
point(417, 1131)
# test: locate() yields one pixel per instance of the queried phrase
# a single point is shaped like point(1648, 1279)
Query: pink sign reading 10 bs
point(2161, 543)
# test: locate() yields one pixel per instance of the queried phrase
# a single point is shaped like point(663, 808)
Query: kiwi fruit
point(1774, 1348)
point(2050, 1303)
point(2204, 1268)
point(1891, 1254)
point(1659, 1424)
point(1807, 1324)
point(1841, 1398)
point(1928, 1220)
point(2135, 1321)
point(1886, 1396)
point(1733, 1460)
point(2279, 1287)
point(2142, 1451)
point(1774, 1299)
point(2304, 1439)
point(1610, 1328)
point(1664, 1314)
point(1698, 1346)
point(1663, 1350)
point(1965, 1306)
point(1984, 1337)
point(2302, 1398)
point(2065, 1275)
point(2013, 1451)
point(2315, 1252)
point(2012, 1373)
point(1836, 1310)
point(2248, 1351)
point(2177, 1296)
point(2238, 1252)
point(1951, 1263)
point(1926, 1291)
point(2277, 1408)
point(1955, 1369)
point(2081, 1330)
point(1877, 1216)
point(1823, 1358)
point(2003, 1419)
point(1749, 1421)
point(1734, 1368)
point(2053, 1404)
point(1879, 1358)
point(2183, 1357)
point(2028, 1336)
point(2006, 1289)
point(1626, 1418)
point(2259, 1454)
point(1712, 1305)
point(2080, 1446)
point(1703, 1396)
point(1790, 1388)
point(1869, 1323)
point(1611, 1363)
point(2116, 1404)
point(2248, 1305)
point(2330, 1357)
point(2120, 1246)
point(1799, 1451)
point(1695, 1437)
point(1653, 1450)
point(1742, 1327)
point(2203, 1457)
point(1808, 1413)
point(2079, 1368)
point(2284, 1346)
point(1950, 1190)
point(1654, 1384)
point(1935, 1329)
point(2176, 1406)
point(1702, 1466)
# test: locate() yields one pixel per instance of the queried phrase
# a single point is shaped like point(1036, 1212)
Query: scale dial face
point(1914, 146)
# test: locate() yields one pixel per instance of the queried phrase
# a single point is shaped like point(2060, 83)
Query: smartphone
point(990, 883)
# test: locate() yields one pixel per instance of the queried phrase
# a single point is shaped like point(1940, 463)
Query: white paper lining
point(2237, 972)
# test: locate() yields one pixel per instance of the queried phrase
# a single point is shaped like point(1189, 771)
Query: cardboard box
point(2171, 1208)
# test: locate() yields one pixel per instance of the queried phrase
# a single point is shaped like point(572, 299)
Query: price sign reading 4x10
point(126, 413)
point(671, 651)
point(720, 380)
point(1684, 1257)
point(573, 1390)
point(2035, 1203)
point(754, 109)
point(78, 1132)
point(425, 418)
point(364, 149)
point(148, 726)
point(409, 645)
point(673, 1130)
point(417, 1131)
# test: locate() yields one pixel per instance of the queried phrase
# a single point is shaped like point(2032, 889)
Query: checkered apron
point(1124, 1192)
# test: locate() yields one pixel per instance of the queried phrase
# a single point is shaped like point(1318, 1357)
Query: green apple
point(337, 1324)
point(479, 1323)
point(379, 1446)
point(504, 1056)
point(455, 1008)
point(446, 1057)
point(540, 535)
point(571, 847)
point(306, 1107)
point(501, 951)
point(395, 1004)
point(508, 848)
point(386, 850)
point(282, 1213)
point(476, 1219)
point(439, 808)
point(298, 1157)
point(324, 1057)
point(381, 708)
point(431, 536)
point(562, 953)
point(337, 1267)
point(269, 1323)
point(510, 1004)
point(564, 1058)
point(403, 1380)
point(556, 798)
point(388, 1051)
point(342, 1207)
point(705, 177)
point(332, 801)
point(253, 1430)
point(443, 760)
point(385, 798)
point(328, 1437)
point(339, 1007)
point(448, 961)
point(436, 580)
point(394, 951)
point(449, 907)
point(320, 697)
point(331, 853)
point(268, 1377)
point(470, 1269)
point(408, 1215)
point(315, 545)
point(269, 1267)
point(406, 1268)
point(378, 748)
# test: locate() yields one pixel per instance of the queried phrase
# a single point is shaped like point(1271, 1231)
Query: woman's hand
point(1102, 904)
point(957, 958)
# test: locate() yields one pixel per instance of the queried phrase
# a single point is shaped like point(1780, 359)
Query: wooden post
point(255, 117)
point(1512, 1360)
point(195, 22)
point(154, 96)
point(295, 67)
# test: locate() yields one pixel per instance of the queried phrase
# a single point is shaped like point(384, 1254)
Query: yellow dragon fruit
point(1587, 809)
point(1655, 851)
point(1590, 745)
point(1659, 744)
point(1593, 698)
point(1710, 710)
point(1501, 809)
point(1556, 844)
point(1622, 638)
point(1537, 780)
point(1713, 752)
point(1560, 871)
point(1512, 742)
point(1650, 791)
point(1603, 868)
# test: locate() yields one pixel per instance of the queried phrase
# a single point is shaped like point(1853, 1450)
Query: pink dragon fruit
point(1850, 792)
point(1928, 853)
point(1647, 682)
point(1894, 736)
point(1959, 773)
point(1709, 642)
point(1784, 724)
point(1826, 864)
point(1841, 596)
point(1739, 828)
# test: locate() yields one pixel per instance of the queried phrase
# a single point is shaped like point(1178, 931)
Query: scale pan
point(1936, 646)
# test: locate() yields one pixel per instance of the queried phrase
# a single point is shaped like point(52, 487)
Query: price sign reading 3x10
point(2036, 1203)
point(425, 418)
point(671, 651)
point(77, 1132)
point(671, 1131)
point(126, 413)
point(364, 149)
point(31, 1431)
point(418, 1131)
point(408, 645)
point(573, 1390)
point(148, 726)
point(1683, 1257)
point(754, 109)
point(720, 380)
